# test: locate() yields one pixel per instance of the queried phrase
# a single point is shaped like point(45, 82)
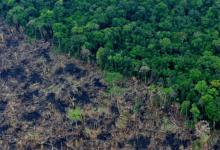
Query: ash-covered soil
point(38, 87)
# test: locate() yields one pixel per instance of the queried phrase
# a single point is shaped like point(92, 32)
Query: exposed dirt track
point(37, 88)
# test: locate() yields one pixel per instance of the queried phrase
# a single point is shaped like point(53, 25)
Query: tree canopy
point(179, 41)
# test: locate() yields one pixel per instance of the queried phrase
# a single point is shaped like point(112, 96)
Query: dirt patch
point(82, 97)
point(3, 105)
point(29, 95)
point(45, 54)
point(31, 116)
point(217, 146)
point(174, 142)
point(58, 104)
point(59, 71)
point(120, 145)
point(35, 78)
point(11, 42)
point(4, 128)
point(72, 69)
point(92, 123)
point(115, 110)
point(16, 73)
point(104, 136)
point(99, 84)
point(140, 142)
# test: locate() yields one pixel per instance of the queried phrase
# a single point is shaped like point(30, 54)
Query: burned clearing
point(37, 88)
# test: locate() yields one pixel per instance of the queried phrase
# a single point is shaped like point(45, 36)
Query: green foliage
point(215, 84)
point(207, 99)
point(9, 2)
point(176, 42)
point(210, 100)
point(138, 52)
point(17, 16)
point(197, 145)
point(60, 31)
point(195, 74)
point(213, 111)
point(74, 114)
point(112, 77)
point(101, 56)
point(201, 87)
point(195, 112)
point(165, 43)
point(184, 109)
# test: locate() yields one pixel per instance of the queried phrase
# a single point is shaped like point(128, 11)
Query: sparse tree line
point(173, 43)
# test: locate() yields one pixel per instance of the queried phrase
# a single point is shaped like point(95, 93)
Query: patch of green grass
point(112, 77)
point(75, 114)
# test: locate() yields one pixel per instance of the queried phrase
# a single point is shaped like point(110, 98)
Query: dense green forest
point(172, 43)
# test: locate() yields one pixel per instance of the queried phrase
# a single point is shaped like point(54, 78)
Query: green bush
point(112, 77)
point(75, 114)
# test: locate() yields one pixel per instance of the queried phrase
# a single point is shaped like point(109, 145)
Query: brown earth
point(37, 88)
